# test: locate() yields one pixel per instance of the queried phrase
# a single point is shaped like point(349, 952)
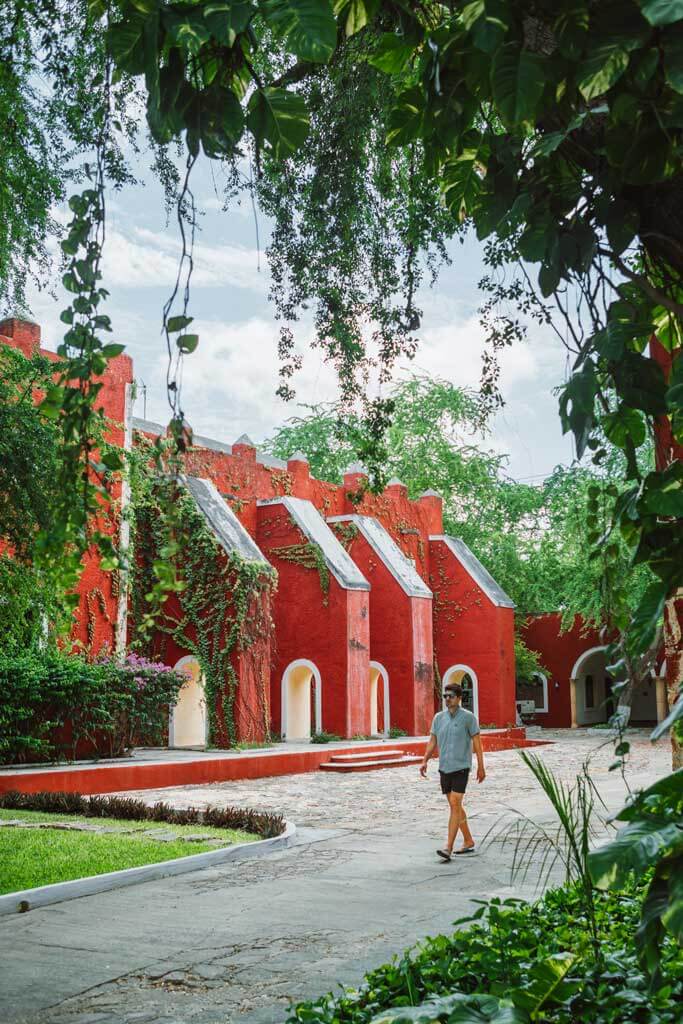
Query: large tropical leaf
point(307, 26)
point(637, 847)
point(603, 66)
point(662, 12)
point(518, 78)
point(456, 1009)
point(546, 983)
point(278, 117)
point(462, 179)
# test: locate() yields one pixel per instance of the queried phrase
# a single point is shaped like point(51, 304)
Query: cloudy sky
point(229, 382)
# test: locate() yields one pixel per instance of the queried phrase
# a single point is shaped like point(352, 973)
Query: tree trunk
point(673, 651)
point(667, 451)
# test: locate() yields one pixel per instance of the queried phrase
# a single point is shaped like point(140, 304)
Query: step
point(365, 755)
point(371, 765)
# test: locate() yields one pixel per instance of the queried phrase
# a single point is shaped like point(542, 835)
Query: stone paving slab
point(238, 943)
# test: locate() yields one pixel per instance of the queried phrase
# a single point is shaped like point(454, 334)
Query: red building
point(372, 598)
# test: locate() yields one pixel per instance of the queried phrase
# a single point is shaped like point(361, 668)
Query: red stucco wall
point(329, 629)
point(470, 630)
point(558, 652)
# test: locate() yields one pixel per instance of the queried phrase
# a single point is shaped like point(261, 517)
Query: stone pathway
point(239, 942)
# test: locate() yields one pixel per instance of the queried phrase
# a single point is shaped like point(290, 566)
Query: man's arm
point(479, 751)
point(429, 752)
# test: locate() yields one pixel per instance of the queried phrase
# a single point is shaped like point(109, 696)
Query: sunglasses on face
point(450, 696)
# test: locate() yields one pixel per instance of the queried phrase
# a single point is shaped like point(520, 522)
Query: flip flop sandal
point(465, 849)
point(444, 854)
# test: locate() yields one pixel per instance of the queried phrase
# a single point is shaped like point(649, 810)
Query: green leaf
point(601, 69)
point(279, 118)
point(662, 12)
point(188, 31)
point(462, 178)
point(457, 1008)
point(406, 118)
point(648, 615)
point(125, 39)
point(307, 26)
point(518, 79)
point(577, 405)
point(544, 982)
point(226, 20)
point(187, 343)
point(640, 383)
point(624, 426)
point(663, 492)
point(637, 847)
point(392, 55)
point(357, 13)
point(675, 715)
point(672, 45)
point(111, 351)
point(177, 323)
point(488, 21)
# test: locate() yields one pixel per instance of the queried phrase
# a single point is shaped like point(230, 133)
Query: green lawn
point(32, 857)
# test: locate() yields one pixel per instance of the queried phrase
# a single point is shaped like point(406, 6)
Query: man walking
point(455, 732)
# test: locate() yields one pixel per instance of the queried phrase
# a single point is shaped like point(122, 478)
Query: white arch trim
point(544, 682)
point(186, 660)
point(582, 658)
point(446, 679)
point(385, 683)
point(302, 663)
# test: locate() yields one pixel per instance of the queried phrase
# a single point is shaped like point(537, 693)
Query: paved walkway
point(238, 943)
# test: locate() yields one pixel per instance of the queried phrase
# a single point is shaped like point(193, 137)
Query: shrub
point(325, 737)
point(261, 823)
point(51, 704)
point(538, 956)
point(395, 733)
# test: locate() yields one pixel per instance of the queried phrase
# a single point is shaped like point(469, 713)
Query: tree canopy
point(377, 128)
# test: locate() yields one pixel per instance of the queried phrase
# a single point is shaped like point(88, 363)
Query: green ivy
point(310, 556)
point(219, 607)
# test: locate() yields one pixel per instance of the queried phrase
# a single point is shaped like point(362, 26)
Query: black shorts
point(454, 782)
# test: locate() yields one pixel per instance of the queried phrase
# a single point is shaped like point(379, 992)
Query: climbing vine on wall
point(310, 556)
point(219, 610)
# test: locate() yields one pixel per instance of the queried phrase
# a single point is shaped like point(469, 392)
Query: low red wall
point(112, 778)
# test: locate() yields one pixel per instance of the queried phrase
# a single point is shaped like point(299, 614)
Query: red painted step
point(355, 764)
point(366, 755)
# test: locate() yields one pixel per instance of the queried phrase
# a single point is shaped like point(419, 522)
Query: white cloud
point(149, 259)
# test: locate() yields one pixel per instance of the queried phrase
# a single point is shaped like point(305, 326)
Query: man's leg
point(455, 803)
point(467, 839)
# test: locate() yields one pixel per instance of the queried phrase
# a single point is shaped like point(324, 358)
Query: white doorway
point(379, 700)
point(301, 700)
point(594, 702)
point(467, 678)
point(188, 720)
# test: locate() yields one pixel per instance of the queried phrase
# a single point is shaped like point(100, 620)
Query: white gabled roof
point(306, 516)
point(222, 521)
point(481, 576)
point(388, 550)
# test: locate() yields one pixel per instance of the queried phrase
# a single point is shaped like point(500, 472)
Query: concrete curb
point(42, 896)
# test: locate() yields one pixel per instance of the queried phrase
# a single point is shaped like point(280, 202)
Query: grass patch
point(42, 856)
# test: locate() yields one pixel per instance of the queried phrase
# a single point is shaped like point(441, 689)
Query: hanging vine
point(220, 608)
point(310, 556)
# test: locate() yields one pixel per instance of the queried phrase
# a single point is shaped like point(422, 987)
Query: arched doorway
point(467, 678)
point(593, 688)
point(301, 700)
point(188, 720)
point(379, 700)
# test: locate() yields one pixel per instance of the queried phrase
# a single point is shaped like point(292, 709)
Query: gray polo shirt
point(454, 736)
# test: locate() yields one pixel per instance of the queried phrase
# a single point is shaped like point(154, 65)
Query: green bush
point(52, 705)
point(325, 737)
point(262, 823)
point(513, 959)
point(395, 733)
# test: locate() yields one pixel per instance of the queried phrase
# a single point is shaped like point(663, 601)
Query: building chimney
point(431, 504)
point(24, 334)
point(300, 472)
